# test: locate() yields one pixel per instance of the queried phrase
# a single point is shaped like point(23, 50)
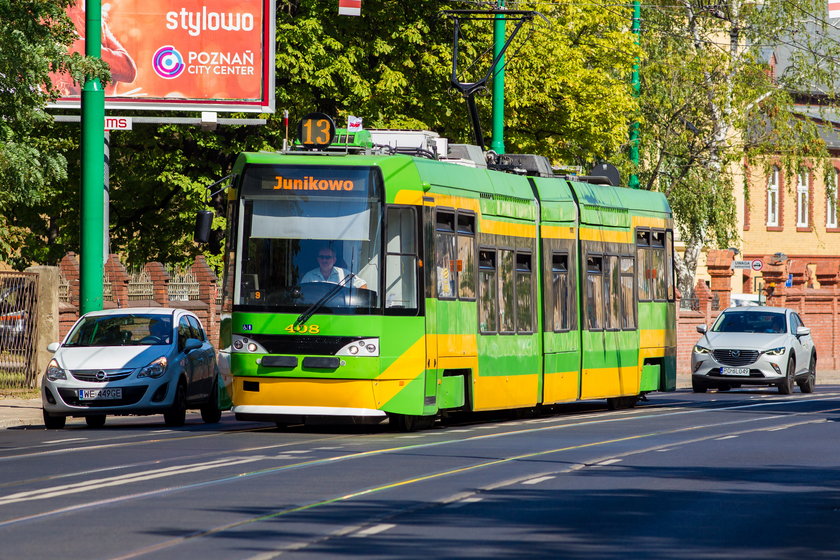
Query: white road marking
point(725, 437)
point(607, 462)
point(464, 502)
point(65, 489)
point(66, 440)
point(373, 530)
point(538, 480)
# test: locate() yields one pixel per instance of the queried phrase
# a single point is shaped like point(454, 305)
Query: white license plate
point(108, 393)
point(734, 371)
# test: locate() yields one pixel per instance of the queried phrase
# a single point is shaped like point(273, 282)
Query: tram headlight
point(241, 343)
point(361, 347)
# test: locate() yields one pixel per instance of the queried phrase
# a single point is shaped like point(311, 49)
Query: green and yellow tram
point(454, 287)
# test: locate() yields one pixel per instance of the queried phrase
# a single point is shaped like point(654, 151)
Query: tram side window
point(401, 259)
point(466, 256)
point(487, 298)
point(560, 285)
point(507, 297)
point(628, 315)
point(524, 316)
point(642, 250)
point(612, 293)
point(445, 264)
point(669, 264)
point(595, 292)
point(657, 256)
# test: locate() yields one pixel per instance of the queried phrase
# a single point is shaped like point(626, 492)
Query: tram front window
point(310, 234)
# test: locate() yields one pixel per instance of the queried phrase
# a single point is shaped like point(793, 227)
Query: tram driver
point(328, 272)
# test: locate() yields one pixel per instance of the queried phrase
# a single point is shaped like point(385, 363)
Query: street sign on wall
point(202, 55)
point(755, 264)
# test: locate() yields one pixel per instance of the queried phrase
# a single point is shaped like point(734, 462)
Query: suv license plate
point(734, 371)
point(109, 393)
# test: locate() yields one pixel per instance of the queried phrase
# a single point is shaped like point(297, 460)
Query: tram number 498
point(303, 329)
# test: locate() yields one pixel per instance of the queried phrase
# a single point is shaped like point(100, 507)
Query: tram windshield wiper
point(310, 311)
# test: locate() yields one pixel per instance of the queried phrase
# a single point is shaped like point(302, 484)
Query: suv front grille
point(734, 357)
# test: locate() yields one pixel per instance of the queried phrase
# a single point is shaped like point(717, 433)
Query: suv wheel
point(807, 384)
point(786, 386)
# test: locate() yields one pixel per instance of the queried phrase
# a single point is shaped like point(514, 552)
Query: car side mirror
point(802, 331)
point(701, 329)
point(53, 347)
point(191, 344)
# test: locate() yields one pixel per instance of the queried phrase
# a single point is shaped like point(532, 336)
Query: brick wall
point(204, 307)
point(818, 308)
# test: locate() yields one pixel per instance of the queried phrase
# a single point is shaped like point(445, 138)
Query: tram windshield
point(310, 236)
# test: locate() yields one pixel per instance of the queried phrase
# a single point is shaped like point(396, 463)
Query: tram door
point(450, 313)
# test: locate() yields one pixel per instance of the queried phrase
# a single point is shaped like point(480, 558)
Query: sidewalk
point(19, 413)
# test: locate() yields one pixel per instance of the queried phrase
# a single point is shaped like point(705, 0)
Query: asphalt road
point(683, 476)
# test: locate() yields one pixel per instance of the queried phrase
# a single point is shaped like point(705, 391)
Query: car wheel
point(698, 386)
point(786, 386)
point(54, 422)
point(96, 421)
point(807, 384)
point(210, 412)
point(177, 413)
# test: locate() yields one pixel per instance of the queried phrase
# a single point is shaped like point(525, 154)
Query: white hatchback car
point(132, 361)
point(755, 346)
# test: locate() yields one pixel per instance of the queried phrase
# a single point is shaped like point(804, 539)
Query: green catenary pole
point(498, 143)
point(637, 87)
point(93, 169)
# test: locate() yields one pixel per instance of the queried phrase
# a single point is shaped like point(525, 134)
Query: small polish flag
point(833, 9)
point(354, 124)
point(349, 7)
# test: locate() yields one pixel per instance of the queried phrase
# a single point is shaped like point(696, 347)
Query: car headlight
point(776, 351)
point(154, 369)
point(701, 349)
point(55, 371)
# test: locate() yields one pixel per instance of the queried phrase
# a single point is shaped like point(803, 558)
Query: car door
point(192, 360)
point(802, 345)
point(207, 356)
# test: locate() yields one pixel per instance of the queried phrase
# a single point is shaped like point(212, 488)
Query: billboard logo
point(168, 62)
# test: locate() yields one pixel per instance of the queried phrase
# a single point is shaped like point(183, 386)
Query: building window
point(831, 203)
point(773, 198)
point(802, 199)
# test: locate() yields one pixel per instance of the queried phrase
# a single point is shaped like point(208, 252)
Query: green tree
point(34, 36)
point(567, 98)
point(710, 103)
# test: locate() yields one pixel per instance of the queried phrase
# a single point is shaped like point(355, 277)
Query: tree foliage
point(33, 41)
point(710, 102)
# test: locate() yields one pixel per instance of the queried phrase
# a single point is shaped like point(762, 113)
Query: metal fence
point(693, 303)
point(18, 319)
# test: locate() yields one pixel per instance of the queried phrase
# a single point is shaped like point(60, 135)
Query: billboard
point(201, 55)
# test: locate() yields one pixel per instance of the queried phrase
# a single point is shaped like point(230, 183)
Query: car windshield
point(121, 330)
point(751, 322)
